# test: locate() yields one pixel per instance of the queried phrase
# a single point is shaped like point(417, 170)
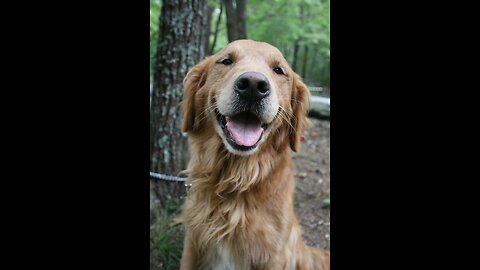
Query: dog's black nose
point(252, 86)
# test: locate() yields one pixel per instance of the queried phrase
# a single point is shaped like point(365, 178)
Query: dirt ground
point(312, 179)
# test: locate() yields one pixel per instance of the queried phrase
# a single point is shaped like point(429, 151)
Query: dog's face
point(248, 93)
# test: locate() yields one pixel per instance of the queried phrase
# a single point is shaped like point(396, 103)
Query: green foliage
point(166, 239)
point(155, 7)
point(326, 202)
point(282, 23)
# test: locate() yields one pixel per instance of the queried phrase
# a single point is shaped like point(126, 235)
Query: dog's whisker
point(285, 116)
point(207, 110)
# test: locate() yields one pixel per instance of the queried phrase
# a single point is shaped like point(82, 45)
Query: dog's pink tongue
point(246, 130)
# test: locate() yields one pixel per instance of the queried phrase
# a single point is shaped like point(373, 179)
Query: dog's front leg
point(189, 258)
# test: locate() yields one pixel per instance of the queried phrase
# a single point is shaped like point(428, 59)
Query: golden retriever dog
point(244, 108)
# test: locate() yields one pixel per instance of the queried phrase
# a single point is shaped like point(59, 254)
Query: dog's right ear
point(300, 105)
point(193, 82)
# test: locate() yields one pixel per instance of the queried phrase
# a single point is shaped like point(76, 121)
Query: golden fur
point(239, 212)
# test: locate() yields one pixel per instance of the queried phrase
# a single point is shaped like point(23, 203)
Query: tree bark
point(231, 20)
point(236, 19)
point(208, 29)
point(181, 44)
point(241, 19)
point(297, 45)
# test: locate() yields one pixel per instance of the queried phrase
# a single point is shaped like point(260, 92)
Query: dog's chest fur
point(221, 259)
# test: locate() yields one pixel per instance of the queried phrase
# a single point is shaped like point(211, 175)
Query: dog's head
point(249, 94)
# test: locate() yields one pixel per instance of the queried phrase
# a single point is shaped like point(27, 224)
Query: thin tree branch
point(217, 26)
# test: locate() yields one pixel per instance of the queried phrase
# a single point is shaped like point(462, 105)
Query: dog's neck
point(215, 167)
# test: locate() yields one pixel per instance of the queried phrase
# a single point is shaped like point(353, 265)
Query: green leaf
point(326, 201)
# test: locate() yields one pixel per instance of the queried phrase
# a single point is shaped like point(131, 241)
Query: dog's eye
point(278, 70)
point(227, 62)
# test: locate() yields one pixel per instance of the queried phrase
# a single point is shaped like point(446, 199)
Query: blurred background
point(299, 28)
point(182, 33)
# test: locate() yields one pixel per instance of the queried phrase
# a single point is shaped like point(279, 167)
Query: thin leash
point(164, 177)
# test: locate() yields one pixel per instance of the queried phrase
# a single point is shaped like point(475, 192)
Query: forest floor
point(312, 180)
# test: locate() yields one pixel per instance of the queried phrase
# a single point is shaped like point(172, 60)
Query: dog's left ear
point(300, 102)
point(193, 82)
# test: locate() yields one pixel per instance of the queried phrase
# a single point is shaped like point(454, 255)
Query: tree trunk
point(305, 60)
point(217, 27)
point(288, 52)
point(297, 45)
point(180, 46)
point(295, 56)
point(325, 72)
point(241, 19)
point(313, 66)
point(207, 29)
point(231, 20)
point(236, 20)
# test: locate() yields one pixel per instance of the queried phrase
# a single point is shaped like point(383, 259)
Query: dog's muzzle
point(243, 126)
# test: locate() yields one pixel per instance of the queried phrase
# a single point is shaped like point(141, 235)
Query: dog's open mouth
point(243, 130)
